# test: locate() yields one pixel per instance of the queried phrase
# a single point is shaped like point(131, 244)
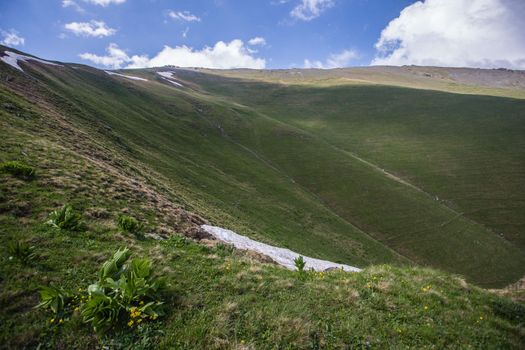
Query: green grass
point(227, 302)
point(464, 152)
point(223, 299)
point(17, 169)
point(218, 297)
point(278, 163)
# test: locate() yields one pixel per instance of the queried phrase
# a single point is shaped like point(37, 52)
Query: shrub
point(18, 169)
point(21, 251)
point(65, 219)
point(129, 224)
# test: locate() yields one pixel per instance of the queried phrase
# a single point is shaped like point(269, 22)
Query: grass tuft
point(22, 251)
point(18, 169)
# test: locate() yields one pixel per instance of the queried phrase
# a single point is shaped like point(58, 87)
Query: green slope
point(217, 298)
point(464, 153)
point(467, 150)
point(279, 162)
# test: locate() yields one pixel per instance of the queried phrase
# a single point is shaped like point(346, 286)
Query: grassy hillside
point(325, 171)
point(217, 298)
point(493, 82)
point(463, 153)
point(467, 150)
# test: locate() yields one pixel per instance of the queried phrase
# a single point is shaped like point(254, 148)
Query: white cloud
point(104, 3)
point(183, 16)
point(73, 4)
point(93, 28)
point(470, 33)
point(222, 56)
point(257, 41)
point(11, 38)
point(185, 32)
point(336, 60)
point(115, 58)
point(310, 9)
point(69, 3)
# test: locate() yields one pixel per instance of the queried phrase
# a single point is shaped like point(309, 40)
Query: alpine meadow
point(180, 206)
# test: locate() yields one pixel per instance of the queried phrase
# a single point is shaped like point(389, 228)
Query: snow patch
point(282, 256)
point(168, 76)
point(12, 58)
point(125, 76)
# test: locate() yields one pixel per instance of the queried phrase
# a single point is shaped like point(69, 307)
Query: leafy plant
point(176, 241)
point(299, 263)
point(54, 298)
point(126, 291)
point(224, 249)
point(102, 312)
point(18, 169)
point(21, 251)
point(65, 218)
point(129, 224)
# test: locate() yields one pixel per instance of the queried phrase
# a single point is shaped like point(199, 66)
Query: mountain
point(411, 167)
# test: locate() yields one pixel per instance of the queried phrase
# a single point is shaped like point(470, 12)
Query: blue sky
point(267, 33)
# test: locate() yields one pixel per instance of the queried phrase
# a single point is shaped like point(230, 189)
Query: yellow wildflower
point(52, 320)
point(426, 307)
point(141, 302)
point(130, 323)
point(61, 321)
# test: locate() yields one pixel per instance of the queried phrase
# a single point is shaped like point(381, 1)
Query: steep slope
point(218, 298)
point(466, 150)
point(465, 153)
point(170, 131)
point(248, 156)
